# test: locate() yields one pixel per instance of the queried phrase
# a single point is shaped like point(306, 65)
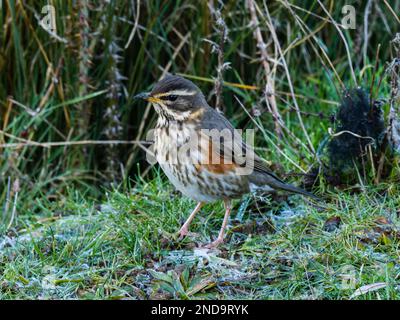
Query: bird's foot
point(214, 244)
point(183, 232)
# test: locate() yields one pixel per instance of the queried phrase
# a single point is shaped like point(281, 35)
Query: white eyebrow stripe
point(176, 93)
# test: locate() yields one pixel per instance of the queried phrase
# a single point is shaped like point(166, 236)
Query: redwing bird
point(209, 172)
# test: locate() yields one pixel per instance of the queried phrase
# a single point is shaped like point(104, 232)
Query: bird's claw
point(182, 234)
point(185, 232)
point(213, 244)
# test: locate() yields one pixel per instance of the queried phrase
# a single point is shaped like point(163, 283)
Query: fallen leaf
point(200, 284)
point(383, 232)
point(382, 220)
point(368, 288)
point(332, 224)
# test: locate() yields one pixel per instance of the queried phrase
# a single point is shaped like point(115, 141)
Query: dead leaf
point(201, 284)
point(332, 224)
point(368, 288)
point(383, 232)
point(382, 220)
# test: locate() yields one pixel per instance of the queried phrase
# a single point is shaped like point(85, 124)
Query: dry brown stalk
point(270, 85)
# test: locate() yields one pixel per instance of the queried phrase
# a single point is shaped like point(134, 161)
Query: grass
point(91, 222)
point(97, 71)
point(126, 247)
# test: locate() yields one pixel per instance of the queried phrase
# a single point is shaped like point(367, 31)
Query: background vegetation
point(78, 201)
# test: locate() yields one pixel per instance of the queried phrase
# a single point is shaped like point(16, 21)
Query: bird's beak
point(146, 96)
point(143, 96)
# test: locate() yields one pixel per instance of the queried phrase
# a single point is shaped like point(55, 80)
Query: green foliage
point(126, 248)
point(61, 227)
point(78, 85)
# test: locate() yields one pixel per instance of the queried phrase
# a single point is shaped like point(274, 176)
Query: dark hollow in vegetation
point(359, 123)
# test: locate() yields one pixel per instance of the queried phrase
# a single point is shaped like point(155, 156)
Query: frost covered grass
point(126, 248)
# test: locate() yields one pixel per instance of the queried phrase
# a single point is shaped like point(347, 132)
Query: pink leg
point(185, 228)
point(220, 238)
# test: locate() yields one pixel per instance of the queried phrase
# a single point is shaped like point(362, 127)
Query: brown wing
point(228, 153)
point(260, 174)
point(212, 159)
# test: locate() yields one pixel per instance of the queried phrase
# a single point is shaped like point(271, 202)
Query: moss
point(358, 124)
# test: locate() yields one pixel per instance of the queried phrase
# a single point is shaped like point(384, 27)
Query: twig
point(282, 58)
point(383, 17)
point(30, 143)
point(269, 86)
point(14, 209)
point(366, 34)
point(70, 143)
point(135, 25)
point(7, 202)
point(344, 41)
point(312, 35)
point(349, 132)
point(184, 40)
point(263, 131)
point(251, 87)
point(33, 143)
point(34, 113)
point(223, 36)
point(394, 118)
point(52, 33)
point(380, 168)
point(391, 11)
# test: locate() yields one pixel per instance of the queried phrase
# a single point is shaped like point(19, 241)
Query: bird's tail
point(290, 188)
point(268, 179)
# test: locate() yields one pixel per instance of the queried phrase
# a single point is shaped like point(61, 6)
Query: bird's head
point(175, 98)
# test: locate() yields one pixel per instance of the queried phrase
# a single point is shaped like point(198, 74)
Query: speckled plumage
point(183, 113)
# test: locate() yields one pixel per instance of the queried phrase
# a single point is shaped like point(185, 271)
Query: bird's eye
point(172, 97)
